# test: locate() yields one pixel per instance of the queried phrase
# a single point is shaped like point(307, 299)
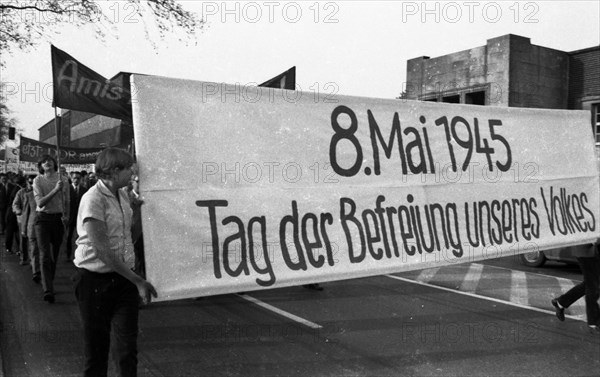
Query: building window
point(596, 121)
point(451, 99)
point(433, 99)
point(475, 98)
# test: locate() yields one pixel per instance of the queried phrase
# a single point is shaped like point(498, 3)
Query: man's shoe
point(49, 297)
point(560, 312)
point(36, 279)
point(24, 263)
point(314, 287)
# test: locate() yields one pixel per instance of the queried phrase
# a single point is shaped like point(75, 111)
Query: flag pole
point(57, 127)
point(56, 132)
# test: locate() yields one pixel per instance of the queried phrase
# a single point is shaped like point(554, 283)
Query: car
point(538, 258)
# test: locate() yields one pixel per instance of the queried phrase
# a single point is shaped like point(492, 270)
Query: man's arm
point(96, 231)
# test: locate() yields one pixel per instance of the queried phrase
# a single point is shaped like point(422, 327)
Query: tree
point(24, 23)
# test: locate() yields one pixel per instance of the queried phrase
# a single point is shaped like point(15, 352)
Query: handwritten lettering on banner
point(32, 151)
point(250, 188)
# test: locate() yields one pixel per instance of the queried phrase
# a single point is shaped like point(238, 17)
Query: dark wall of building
point(120, 137)
point(584, 78)
point(47, 131)
point(539, 76)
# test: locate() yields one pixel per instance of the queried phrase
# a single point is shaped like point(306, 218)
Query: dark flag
point(286, 80)
point(78, 87)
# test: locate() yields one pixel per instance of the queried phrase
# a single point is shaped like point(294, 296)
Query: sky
point(338, 47)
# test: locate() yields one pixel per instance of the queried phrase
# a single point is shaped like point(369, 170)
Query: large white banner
point(251, 188)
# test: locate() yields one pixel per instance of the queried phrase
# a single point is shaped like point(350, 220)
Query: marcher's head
point(114, 164)
point(47, 162)
point(3, 178)
point(30, 179)
point(91, 179)
point(20, 180)
point(75, 177)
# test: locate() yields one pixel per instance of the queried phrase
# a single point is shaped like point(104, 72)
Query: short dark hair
point(45, 158)
point(112, 158)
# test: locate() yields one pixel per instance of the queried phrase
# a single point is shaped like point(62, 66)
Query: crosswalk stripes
point(518, 289)
point(525, 289)
point(426, 275)
point(471, 279)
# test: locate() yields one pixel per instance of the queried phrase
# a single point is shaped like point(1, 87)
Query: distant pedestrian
point(51, 192)
point(10, 217)
point(18, 207)
point(84, 178)
point(107, 289)
point(76, 191)
point(5, 204)
point(29, 218)
point(588, 258)
point(91, 180)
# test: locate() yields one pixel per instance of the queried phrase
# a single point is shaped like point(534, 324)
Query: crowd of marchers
point(101, 211)
point(32, 234)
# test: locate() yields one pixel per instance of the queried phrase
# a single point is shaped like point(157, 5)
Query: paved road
point(477, 319)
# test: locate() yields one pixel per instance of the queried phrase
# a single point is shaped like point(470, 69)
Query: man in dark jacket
point(10, 218)
point(76, 191)
point(6, 189)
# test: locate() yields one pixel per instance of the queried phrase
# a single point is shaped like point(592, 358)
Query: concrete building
point(510, 71)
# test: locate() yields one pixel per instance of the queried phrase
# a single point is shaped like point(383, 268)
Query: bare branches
point(24, 23)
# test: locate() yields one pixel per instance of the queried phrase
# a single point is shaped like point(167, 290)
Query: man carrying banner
point(107, 288)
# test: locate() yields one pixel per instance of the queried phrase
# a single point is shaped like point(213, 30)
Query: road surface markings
point(426, 275)
point(466, 281)
point(471, 280)
point(575, 311)
point(283, 313)
point(518, 288)
point(480, 296)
